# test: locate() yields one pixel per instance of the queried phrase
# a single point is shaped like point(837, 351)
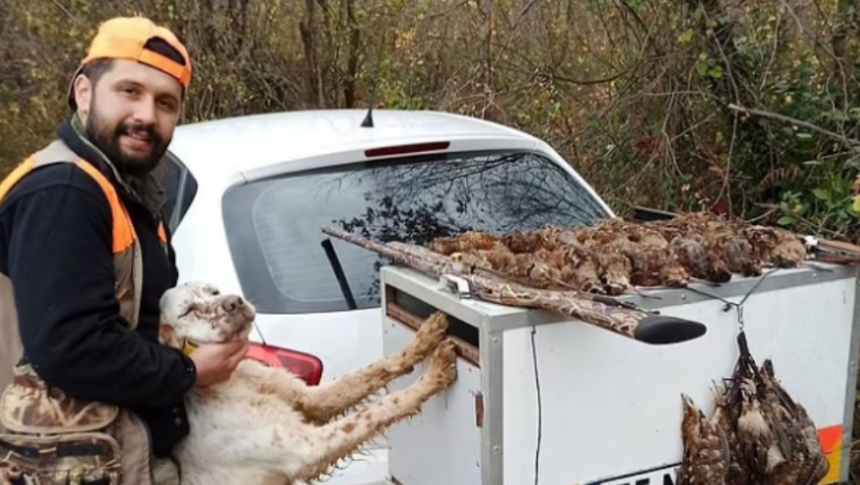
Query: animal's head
point(197, 313)
point(749, 394)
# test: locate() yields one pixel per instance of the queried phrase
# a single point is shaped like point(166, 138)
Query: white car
point(252, 192)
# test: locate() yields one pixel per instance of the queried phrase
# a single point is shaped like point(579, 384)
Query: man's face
point(130, 114)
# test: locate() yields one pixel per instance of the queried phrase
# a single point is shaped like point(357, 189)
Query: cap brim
point(72, 103)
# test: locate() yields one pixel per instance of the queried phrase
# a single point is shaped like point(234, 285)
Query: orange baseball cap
point(128, 38)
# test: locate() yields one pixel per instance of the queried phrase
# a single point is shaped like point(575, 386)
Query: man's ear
point(83, 94)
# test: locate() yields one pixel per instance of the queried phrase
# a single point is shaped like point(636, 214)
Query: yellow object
point(189, 348)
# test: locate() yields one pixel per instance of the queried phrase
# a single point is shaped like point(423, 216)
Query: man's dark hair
point(96, 69)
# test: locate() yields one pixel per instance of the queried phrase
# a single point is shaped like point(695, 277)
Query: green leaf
point(786, 220)
point(821, 194)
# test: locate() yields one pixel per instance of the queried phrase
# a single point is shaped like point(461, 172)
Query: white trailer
point(603, 409)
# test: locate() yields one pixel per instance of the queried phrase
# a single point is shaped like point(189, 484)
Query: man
point(72, 235)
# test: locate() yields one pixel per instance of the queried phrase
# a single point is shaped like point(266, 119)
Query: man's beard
point(108, 141)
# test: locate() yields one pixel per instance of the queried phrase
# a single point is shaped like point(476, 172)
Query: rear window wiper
point(334, 262)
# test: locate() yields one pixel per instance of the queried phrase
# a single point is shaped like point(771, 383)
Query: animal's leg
point(322, 403)
point(339, 439)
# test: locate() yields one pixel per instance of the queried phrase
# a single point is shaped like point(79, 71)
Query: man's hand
point(216, 362)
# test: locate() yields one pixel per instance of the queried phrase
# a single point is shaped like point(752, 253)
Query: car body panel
point(227, 153)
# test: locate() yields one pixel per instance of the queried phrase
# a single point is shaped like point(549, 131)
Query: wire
point(749, 293)
point(740, 305)
point(539, 402)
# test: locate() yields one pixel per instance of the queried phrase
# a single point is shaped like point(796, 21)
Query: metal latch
point(459, 286)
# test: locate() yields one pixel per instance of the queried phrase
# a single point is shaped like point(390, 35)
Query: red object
point(407, 149)
point(647, 146)
point(307, 367)
point(720, 207)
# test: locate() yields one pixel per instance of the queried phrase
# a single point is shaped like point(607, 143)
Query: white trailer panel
point(610, 408)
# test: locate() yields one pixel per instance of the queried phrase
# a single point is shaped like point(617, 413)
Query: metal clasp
point(456, 284)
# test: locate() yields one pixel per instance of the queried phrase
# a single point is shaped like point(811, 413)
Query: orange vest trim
point(17, 174)
point(123, 230)
point(161, 233)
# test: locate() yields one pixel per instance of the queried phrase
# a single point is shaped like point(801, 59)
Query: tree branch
point(794, 121)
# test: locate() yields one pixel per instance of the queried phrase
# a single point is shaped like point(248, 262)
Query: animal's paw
point(443, 366)
point(429, 336)
point(433, 330)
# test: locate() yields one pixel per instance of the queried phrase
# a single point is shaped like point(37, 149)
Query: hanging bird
point(736, 473)
point(770, 437)
point(706, 453)
point(804, 460)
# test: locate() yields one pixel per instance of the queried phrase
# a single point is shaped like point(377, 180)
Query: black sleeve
point(171, 255)
point(60, 262)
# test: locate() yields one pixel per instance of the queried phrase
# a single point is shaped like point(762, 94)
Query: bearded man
point(85, 256)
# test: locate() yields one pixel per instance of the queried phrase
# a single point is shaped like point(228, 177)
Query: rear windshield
point(273, 225)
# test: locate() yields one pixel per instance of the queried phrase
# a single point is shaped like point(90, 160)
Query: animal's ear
point(166, 334)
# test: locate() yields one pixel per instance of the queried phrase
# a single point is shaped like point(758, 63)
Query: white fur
point(265, 425)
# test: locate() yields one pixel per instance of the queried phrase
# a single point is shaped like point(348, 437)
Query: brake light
point(407, 149)
point(307, 367)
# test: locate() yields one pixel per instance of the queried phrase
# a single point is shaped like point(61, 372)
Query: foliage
point(634, 94)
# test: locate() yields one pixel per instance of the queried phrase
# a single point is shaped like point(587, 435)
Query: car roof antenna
point(368, 119)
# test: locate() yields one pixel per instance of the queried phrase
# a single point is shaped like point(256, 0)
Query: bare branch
point(787, 119)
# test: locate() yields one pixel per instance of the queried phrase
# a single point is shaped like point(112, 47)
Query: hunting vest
point(46, 436)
